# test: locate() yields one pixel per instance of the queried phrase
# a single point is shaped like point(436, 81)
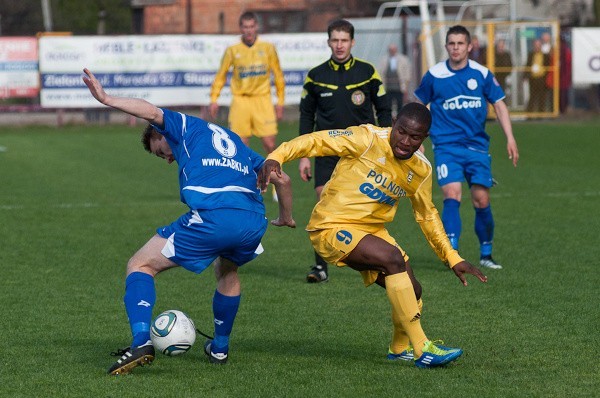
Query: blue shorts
point(197, 238)
point(459, 164)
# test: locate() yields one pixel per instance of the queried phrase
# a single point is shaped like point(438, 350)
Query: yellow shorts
point(252, 115)
point(335, 244)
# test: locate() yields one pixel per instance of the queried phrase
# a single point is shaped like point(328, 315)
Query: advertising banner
point(164, 70)
point(18, 67)
point(586, 55)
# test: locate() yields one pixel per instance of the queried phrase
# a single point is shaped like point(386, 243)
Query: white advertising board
point(164, 70)
point(586, 55)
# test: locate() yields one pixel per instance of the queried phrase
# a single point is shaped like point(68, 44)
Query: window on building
point(282, 21)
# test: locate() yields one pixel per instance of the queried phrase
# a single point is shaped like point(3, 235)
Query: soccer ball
point(173, 333)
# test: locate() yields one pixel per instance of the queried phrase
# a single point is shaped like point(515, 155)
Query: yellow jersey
point(252, 69)
point(368, 182)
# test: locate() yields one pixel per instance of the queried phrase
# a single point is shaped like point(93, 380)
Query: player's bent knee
point(225, 269)
point(134, 265)
point(396, 263)
point(148, 265)
point(418, 288)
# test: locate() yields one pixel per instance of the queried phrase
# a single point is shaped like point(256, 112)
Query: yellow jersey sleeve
point(343, 143)
point(278, 78)
point(429, 220)
point(221, 76)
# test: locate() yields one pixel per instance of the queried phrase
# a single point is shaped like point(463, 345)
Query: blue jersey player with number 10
point(458, 90)
point(225, 224)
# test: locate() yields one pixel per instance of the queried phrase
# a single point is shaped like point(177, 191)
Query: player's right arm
point(352, 141)
point(308, 109)
point(342, 142)
point(133, 106)
point(424, 93)
point(220, 80)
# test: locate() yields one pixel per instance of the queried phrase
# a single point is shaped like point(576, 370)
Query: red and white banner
point(19, 67)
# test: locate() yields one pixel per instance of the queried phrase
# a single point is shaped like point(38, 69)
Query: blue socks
point(224, 309)
point(140, 296)
point(484, 225)
point(451, 221)
point(484, 229)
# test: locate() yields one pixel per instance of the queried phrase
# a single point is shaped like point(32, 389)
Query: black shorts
point(324, 169)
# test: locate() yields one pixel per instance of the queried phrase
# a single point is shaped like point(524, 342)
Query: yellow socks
point(405, 309)
point(400, 339)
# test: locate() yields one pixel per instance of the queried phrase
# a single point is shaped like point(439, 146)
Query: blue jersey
point(459, 103)
point(216, 169)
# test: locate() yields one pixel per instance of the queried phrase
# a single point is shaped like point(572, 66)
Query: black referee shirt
point(336, 96)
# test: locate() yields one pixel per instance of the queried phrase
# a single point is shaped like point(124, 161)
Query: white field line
point(90, 205)
point(177, 203)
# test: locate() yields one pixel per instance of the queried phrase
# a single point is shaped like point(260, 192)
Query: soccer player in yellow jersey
point(253, 62)
point(377, 167)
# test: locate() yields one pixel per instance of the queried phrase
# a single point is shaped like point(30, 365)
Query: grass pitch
point(76, 202)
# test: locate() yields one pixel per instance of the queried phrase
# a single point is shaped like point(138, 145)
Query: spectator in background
point(478, 53)
point(548, 50)
point(343, 91)
point(503, 63)
point(397, 72)
point(546, 39)
point(564, 78)
point(253, 62)
point(538, 63)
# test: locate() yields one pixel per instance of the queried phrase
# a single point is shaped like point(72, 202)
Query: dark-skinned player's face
point(407, 136)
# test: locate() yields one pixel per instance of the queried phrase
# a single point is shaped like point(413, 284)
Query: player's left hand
point(513, 151)
point(279, 222)
point(465, 267)
point(279, 111)
point(264, 176)
point(94, 86)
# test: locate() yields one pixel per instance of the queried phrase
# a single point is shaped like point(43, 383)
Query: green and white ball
point(173, 333)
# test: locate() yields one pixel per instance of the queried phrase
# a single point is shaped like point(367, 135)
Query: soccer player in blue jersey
point(458, 90)
point(225, 224)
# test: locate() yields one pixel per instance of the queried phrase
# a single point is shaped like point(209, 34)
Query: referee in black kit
point(339, 93)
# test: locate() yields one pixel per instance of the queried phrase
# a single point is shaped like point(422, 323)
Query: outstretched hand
point(94, 86)
point(264, 176)
point(279, 222)
point(463, 268)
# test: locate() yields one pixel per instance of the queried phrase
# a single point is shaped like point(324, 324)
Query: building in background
point(221, 17)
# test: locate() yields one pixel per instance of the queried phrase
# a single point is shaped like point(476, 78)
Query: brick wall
point(221, 16)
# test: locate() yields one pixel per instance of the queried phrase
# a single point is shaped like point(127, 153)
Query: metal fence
point(525, 57)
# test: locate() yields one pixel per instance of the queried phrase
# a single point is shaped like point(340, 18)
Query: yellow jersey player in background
point(253, 62)
point(378, 166)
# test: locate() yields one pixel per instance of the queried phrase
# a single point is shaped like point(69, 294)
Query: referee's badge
point(358, 97)
point(472, 84)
